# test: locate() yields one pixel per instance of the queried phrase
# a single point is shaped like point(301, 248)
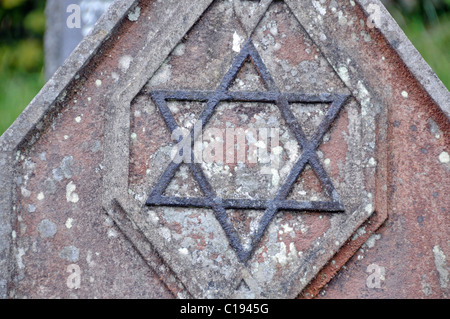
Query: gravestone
point(231, 149)
point(68, 22)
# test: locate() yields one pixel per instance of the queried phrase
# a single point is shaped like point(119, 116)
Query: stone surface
point(84, 157)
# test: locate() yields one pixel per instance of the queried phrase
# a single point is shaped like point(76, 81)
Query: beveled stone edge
point(41, 104)
point(423, 73)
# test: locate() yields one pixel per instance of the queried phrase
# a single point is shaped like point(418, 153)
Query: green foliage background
point(22, 27)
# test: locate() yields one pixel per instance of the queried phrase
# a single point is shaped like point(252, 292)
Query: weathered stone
point(355, 170)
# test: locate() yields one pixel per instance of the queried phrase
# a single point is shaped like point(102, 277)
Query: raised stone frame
point(158, 45)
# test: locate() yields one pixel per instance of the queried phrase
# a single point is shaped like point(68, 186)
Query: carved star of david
point(270, 206)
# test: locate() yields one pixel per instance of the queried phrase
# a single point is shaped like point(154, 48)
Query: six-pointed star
point(280, 202)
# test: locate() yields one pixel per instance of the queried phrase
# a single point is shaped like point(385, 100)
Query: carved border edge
point(410, 56)
point(156, 48)
point(24, 126)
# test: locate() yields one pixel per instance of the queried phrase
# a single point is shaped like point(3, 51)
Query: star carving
point(270, 206)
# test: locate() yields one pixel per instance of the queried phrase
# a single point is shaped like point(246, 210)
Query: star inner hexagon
point(270, 206)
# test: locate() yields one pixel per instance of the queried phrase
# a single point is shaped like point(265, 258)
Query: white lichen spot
point(134, 16)
point(179, 49)
point(368, 208)
point(133, 136)
point(109, 222)
point(163, 75)
point(364, 95)
point(112, 233)
point(277, 150)
point(322, 10)
point(66, 137)
point(327, 161)
point(115, 76)
point(71, 196)
point(281, 257)
point(25, 192)
point(342, 20)
point(444, 158)
point(89, 260)
point(440, 261)
point(20, 254)
point(69, 223)
point(372, 162)
point(31, 208)
point(78, 119)
point(183, 251)
point(361, 231)
point(165, 233)
point(343, 73)
point(370, 243)
point(287, 228)
point(237, 40)
point(405, 94)
point(260, 144)
point(426, 289)
point(40, 196)
point(124, 62)
point(275, 177)
point(98, 83)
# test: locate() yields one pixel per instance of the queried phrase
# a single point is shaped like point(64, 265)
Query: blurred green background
point(22, 27)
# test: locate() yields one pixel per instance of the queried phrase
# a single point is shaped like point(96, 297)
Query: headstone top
point(210, 149)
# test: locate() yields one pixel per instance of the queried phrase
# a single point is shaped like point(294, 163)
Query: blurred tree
point(22, 26)
point(429, 11)
point(427, 25)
